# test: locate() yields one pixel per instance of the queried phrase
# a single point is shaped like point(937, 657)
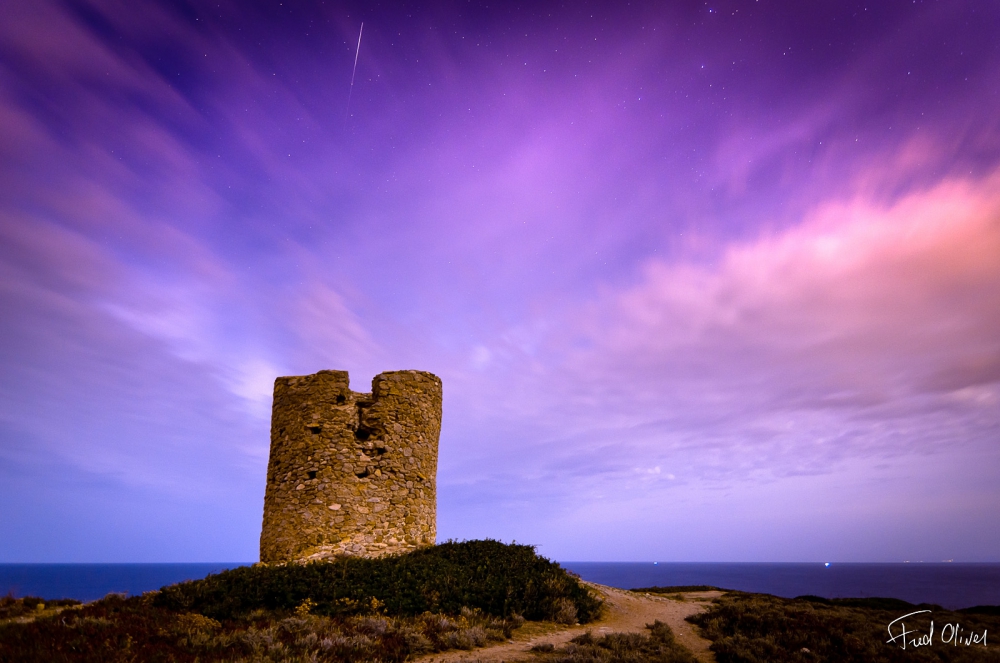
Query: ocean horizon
point(947, 584)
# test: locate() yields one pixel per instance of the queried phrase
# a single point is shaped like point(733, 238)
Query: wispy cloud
point(657, 255)
point(866, 333)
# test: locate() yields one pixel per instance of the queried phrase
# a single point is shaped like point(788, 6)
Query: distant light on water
point(951, 586)
point(655, 563)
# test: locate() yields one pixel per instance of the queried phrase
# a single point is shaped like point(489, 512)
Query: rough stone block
point(333, 446)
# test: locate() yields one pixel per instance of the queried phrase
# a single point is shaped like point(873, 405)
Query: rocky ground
point(625, 612)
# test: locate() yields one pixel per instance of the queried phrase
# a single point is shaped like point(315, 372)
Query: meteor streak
point(353, 72)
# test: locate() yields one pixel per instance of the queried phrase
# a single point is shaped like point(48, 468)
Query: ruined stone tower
point(351, 473)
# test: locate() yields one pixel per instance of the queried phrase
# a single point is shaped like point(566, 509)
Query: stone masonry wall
point(351, 473)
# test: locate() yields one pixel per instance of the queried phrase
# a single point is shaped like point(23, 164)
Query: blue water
point(948, 585)
point(88, 582)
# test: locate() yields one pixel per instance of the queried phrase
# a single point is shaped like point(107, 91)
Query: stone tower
point(351, 473)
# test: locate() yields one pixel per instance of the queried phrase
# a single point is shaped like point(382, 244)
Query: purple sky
point(703, 281)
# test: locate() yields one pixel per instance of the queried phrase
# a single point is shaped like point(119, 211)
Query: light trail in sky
point(748, 315)
point(353, 72)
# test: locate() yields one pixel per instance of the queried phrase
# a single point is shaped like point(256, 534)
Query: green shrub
point(657, 647)
point(499, 579)
point(452, 596)
point(874, 602)
point(759, 628)
point(673, 589)
point(132, 629)
point(11, 607)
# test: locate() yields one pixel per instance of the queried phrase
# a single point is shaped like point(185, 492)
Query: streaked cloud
point(675, 269)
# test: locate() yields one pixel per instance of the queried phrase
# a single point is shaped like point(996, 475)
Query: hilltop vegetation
point(500, 580)
point(760, 628)
point(455, 595)
point(31, 606)
point(657, 647)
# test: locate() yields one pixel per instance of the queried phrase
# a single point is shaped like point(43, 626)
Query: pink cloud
point(844, 360)
point(859, 296)
point(866, 330)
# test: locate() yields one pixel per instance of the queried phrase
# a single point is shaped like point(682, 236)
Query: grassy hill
point(454, 595)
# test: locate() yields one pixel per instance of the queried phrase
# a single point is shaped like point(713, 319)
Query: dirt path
point(626, 612)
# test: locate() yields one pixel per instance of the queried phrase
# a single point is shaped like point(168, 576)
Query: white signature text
point(951, 633)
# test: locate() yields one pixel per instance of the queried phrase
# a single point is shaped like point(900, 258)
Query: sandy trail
point(626, 612)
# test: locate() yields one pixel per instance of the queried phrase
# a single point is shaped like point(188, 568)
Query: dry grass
point(658, 646)
point(132, 629)
point(759, 628)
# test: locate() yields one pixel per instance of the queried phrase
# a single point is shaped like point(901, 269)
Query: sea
point(949, 585)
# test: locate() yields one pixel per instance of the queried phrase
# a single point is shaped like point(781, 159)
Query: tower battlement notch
point(351, 473)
